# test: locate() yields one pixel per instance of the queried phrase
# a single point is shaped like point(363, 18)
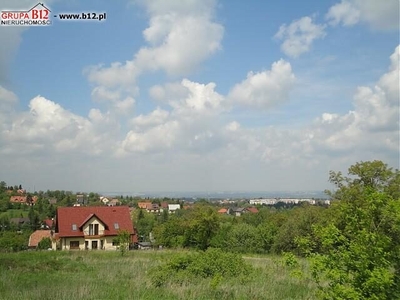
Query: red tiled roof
point(22, 199)
point(164, 204)
point(67, 216)
point(252, 210)
point(143, 204)
point(37, 236)
point(223, 211)
point(48, 222)
point(18, 199)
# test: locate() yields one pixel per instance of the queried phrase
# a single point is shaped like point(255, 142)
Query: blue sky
point(199, 95)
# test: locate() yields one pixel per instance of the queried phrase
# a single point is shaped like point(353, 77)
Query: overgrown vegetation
point(191, 266)
point(107, 275)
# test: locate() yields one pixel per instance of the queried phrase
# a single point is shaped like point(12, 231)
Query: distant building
point(82, 199)
point(172, 208)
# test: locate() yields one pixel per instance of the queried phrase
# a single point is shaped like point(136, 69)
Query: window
point(116, 226)
point(90, 229)
point(94, 245)
point(96, 229)
point(74, 244)
point(74, 228)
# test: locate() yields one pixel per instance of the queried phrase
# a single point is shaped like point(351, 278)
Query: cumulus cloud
point(299, 35)
point(381, 15)
point(373, 124)
point(156, 117)
point(157, 138)
point(265, 89)
point(113, 99)
point(181, 35)
point(48, 125)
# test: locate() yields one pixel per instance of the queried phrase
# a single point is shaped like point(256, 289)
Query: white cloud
point(265, 89)
point(117, 75)
point(343, 12)
point(113, 100)
point(299, 36)
point(373, 125)
point(49, 127)
point(169, 91)
point(381, 15)
point(202, 99)
point(188, 42)
point(157, 138)
point(181, 35)
point(156, 117)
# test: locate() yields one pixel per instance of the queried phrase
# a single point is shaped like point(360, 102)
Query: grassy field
point(108, 275)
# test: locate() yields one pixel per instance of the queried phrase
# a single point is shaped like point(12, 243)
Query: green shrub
point(44, 244)
point(213, 263)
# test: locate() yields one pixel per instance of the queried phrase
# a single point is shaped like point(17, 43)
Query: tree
point(44, 244)
point(203, 225)
point(123, 240)
point(359, 254)
point(3, 186)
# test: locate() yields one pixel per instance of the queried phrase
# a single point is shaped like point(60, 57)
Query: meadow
point(109, 275)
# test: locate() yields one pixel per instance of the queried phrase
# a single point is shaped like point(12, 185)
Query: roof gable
point(89, 218)
point(78, 216)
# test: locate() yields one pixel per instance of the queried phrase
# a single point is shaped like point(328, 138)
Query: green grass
point(108, 275)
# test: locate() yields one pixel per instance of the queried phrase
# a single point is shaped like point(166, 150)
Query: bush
point(44, 244)
point(11, 241)
point(213, 263)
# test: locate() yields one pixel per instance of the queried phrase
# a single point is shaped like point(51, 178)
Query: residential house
point(143, 205)
point(27, 200)
point(173, 207)
point(104, 200)
point(82, 199)
point(153, 208)
point(114, 202)
point(37, 236)
point(52, 201)
point(163, 206)
point(93, 227)
point(47, 224)
point(237, 211)
point(223, 211)
point(253, 210)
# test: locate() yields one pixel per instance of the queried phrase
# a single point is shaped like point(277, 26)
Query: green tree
point(44, 244)
point(360, 245)
point(203, 225)
point(3, 186)
point(123, 240)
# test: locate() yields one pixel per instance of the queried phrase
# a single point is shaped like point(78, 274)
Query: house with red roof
point(92, 227)
point(24, 200)
point(253, 210)
point(223, 211)
point(37, 236)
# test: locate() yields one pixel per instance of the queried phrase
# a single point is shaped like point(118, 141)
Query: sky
point(198, 95)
